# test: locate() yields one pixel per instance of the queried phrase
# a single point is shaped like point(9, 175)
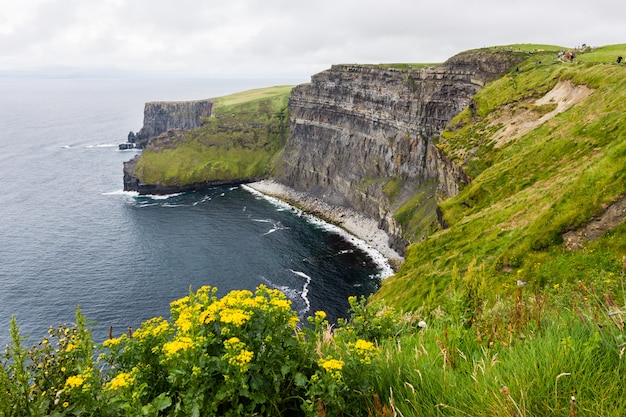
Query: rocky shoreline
point(355, 223)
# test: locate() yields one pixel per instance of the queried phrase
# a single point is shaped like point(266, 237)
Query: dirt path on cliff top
point(520, 121)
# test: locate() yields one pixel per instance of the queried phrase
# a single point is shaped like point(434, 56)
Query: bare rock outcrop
point(161, 116)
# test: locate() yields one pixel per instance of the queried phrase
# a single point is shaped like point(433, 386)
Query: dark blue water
point(70, 237)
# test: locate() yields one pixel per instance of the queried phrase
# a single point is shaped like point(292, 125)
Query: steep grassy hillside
point(237, 142)
point(545, 147)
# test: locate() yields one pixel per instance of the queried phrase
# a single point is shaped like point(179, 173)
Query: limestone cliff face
point(362, 136)
point(161, 116)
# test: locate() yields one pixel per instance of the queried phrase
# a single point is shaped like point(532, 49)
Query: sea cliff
point(363, 137)
point(161, 116)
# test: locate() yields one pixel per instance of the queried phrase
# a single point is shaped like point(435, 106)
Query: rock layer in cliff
point(362, 136)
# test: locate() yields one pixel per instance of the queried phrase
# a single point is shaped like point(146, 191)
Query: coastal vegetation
point(536, 174)
point(515, 308)
point(555, 352)
point(244, 134)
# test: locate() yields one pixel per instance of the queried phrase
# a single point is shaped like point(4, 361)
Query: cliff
point(235, 145)
point(161, 116)
point(362, 137)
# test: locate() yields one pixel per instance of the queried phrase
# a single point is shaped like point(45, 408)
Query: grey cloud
point(248, 36)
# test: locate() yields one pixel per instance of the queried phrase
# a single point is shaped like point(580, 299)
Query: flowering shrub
point(243, 354)
point(57, 375)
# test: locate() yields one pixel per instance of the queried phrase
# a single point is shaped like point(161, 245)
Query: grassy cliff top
point(545, 146)
point(251, 97)
point(238, 142)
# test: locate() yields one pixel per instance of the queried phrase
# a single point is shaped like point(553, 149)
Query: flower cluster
point(155, 327)
point(365, 351)
point(237, 354)
point(182, 343)
point(121, 380)
point(332, 366)
point(242, 354)
point(74, 381)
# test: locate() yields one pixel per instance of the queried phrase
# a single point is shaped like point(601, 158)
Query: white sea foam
point(203, 200)
point(102, 145)
point(275, 225)
point(161, 197)
point(305, 289)
point(122, 192)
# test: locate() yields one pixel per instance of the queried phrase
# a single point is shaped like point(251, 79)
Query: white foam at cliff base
point(305, 289)
point(161, 197)
point(122, 192)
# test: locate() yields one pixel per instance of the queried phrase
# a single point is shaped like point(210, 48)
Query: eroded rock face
point(161, 116)
point(613, 215)
point(362, 136)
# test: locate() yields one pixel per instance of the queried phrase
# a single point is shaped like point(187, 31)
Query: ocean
point(70, 237)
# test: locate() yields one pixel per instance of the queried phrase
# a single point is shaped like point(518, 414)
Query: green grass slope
point(239, 141)
point(545, 146)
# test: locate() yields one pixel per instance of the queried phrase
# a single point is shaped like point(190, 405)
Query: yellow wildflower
point(331, 365)
point(175, 305)
point(249, 303)
point(205, 293)
point(70, 347)
point(235, 297)
point(112, 343)
point(364, 346)
point(123, 379)
point(185, 320)
point(365, 350)
point(241, 359)
point(181, 344)
point(281, 304)
point(208, 315)
point(74, 381)
point(233, 343)
point(65, 404)
point(320, 315)
point(234, 316)
point(236, 354)
point(154, 327)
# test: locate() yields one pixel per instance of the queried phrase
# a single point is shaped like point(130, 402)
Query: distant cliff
point(362, 137)
point(161, 116)
point(236, 144)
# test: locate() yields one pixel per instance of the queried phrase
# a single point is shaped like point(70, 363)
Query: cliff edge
point(161, 116)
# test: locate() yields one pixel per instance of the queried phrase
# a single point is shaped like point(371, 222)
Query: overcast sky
point(284, 37)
